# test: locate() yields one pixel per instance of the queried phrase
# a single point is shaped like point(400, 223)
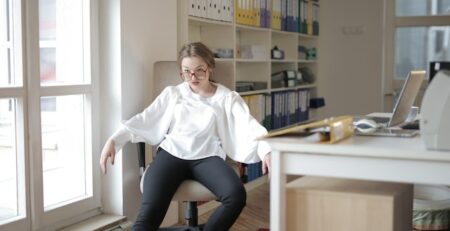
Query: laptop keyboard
point(380, 120)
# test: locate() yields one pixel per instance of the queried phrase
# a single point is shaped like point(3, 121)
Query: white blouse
point(193, 127)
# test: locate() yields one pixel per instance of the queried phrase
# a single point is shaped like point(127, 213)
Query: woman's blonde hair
point(197, 49)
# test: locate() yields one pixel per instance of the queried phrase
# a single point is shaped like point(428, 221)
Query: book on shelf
point(289, 107)
point(273, 111)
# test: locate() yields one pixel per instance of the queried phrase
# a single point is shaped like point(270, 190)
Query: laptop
point(405, 100)
point(402, 108)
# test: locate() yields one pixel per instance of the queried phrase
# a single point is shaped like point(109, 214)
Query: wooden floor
point(255, 214)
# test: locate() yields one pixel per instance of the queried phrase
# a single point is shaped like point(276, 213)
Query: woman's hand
point(107, 152)
point(266, 164)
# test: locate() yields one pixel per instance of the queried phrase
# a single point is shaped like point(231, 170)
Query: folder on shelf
point(245, 11)
point(300, 16)
point(262, 12)
point(330, 130)
point(250, 12)
point(269, 13)
point(290, 15)
point(203, 8)
point(296, 16)
point(196, 11)
point(283, 15)
point(217, 10)
point(309, 19)
point(304, 16)
point(227, 10)
point(315, 17)
point(276, 15)
point(209, 9)
point(257, 13)
point(192, 7)
point(238, 11)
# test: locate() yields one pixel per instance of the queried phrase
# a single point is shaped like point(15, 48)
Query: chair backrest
point(165, 73)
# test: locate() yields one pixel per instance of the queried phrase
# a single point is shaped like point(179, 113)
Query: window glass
point(48, 65)
point(47, 19)
point(63, 149)
point(61, 41)
point(416, 47)
point(8, 161)
point(5, 44)
point(422, 7)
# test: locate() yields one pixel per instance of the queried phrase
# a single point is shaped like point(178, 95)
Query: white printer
point(435, 113)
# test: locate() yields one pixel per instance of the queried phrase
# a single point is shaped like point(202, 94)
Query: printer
point(435, 113)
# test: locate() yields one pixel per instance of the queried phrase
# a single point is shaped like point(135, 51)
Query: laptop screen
point(407, 96)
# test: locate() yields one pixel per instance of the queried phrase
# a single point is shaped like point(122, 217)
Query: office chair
point(189, 191)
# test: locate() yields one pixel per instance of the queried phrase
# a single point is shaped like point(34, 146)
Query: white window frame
point(18, 92)
point(392, 22)
point(28, 94)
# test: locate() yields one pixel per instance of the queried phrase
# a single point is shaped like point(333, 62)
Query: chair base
point(191, 216)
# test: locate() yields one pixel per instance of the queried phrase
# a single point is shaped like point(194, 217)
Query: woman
point(196, 124)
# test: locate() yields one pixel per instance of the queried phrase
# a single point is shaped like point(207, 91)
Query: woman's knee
point(237, 196)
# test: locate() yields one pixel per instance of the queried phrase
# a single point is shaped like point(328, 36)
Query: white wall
point(110, 97)
point(133, 35)
point(350, 56)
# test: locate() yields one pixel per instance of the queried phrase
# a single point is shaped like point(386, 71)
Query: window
point(422, 34)
point(421, 7)
point(49, 177)
point(12, 172)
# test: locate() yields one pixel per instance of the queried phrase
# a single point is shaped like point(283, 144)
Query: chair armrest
point(141, 156)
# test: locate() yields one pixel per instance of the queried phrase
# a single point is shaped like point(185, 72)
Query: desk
point(389, 159)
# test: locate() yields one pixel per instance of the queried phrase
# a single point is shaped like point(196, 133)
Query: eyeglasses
point(198, 73)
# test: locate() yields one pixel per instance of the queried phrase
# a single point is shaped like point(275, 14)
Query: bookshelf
point(242, 35)
point(232, 35)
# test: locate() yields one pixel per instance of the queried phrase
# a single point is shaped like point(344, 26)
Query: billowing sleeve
point(239, 138)
point(151, 125)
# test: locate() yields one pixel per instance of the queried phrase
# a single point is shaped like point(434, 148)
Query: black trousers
point(166, 173)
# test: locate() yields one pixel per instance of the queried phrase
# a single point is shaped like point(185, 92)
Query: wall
point(131, 34)
point(350, 56)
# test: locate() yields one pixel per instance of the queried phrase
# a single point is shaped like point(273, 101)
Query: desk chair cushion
point(189, 190)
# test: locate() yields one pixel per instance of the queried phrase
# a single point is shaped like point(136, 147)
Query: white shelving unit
point(220, 34)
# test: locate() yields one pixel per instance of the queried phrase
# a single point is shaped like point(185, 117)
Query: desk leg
point(277, 193)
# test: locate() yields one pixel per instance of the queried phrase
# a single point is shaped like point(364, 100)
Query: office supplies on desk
point(330, 130)
point(435, 113)
point(392, 132)
point(366, 125)
point(405, 100)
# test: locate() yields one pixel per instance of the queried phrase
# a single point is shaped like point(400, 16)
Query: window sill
point(101, 222)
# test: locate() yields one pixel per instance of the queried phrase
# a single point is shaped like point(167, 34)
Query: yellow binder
point(276, 15)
